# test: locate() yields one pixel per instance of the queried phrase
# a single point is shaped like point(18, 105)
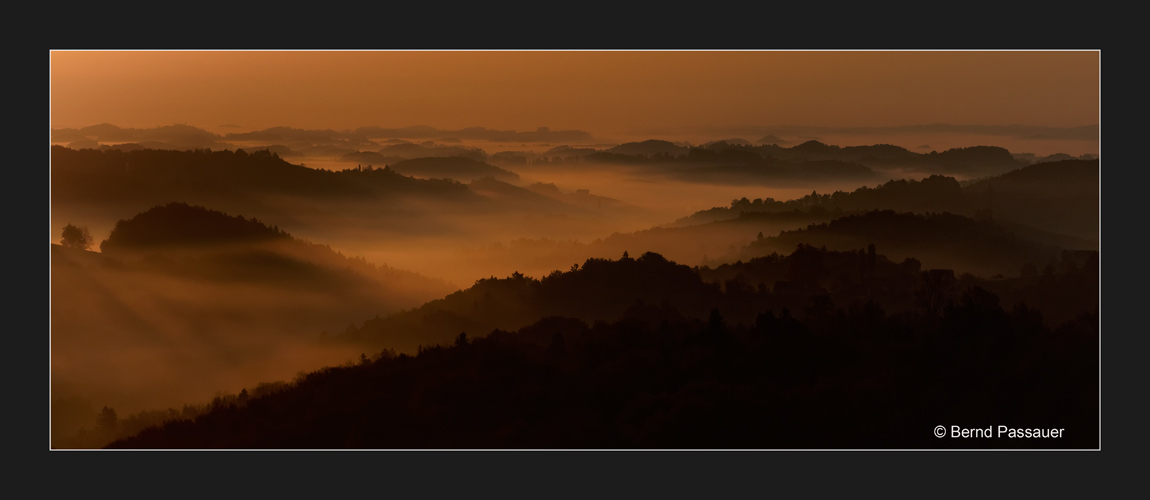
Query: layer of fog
point(460, 244)
point(160, 332)
point(141, 342)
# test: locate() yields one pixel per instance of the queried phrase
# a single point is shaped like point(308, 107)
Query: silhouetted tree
point(106, 420)
point(806, 265)
point(558, 345)
point(665, 380)
point(937, 288)
point(76, 237)
point(715, 324)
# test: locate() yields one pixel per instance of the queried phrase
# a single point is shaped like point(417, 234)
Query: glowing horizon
point(603, 92)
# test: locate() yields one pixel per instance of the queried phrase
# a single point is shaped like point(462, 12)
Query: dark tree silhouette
point(76, 237)
point(857, 378)
point(938, 286)
point(106, 420)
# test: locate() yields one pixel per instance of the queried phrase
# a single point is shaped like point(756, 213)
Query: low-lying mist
point(138, 327)
point(138, 341)
point(176, 310)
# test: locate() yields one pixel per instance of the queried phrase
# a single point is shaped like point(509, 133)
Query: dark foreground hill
point(603, 289)
point(856, 378)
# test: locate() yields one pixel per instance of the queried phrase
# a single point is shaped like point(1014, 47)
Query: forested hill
point(647, 353)
point(180, 224)
point(458, 168)
point(836, 378)
point(599, 289)
point(202, 244)
point(976, 159)
point(103, 186)
point(106, 176)
point(1060, 197)
point(942, 239)
point(966, 162)
point(603, 289)
point(933, 194)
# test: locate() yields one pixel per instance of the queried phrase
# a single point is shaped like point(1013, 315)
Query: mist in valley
point(267, 268)
point(731, 240)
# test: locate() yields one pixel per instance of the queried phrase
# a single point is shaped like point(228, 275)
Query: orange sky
point(600, 92)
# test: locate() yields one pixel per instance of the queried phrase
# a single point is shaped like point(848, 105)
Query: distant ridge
point(458, 168)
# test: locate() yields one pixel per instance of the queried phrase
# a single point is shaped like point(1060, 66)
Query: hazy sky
point(600, 92)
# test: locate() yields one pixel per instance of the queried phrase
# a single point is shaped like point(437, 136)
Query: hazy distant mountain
point(973, 160)
point(815, 150)
point(1057, 197)
point(580, 198)
point(311, 142)
point(303, 138)
point(772, 140)
point(84, 143)
point(281, 134)
point(115, 176)
point(1031, 158)
point(178, 136)
point(511, 157)
point(739, 161)
point(568, 151)
point(728, 142)
point(322, 204)
point(1081, 133)
point(1060, 196)
point(939, 240)
point(371, 158)
point(933, 194)
point(1061, 179)
point(430, 149)
point(649, 148)
point(768, 172)
point(459, 168)
point(541, 134)
point(979, 160)
point(524, 199)
point(319, 203)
